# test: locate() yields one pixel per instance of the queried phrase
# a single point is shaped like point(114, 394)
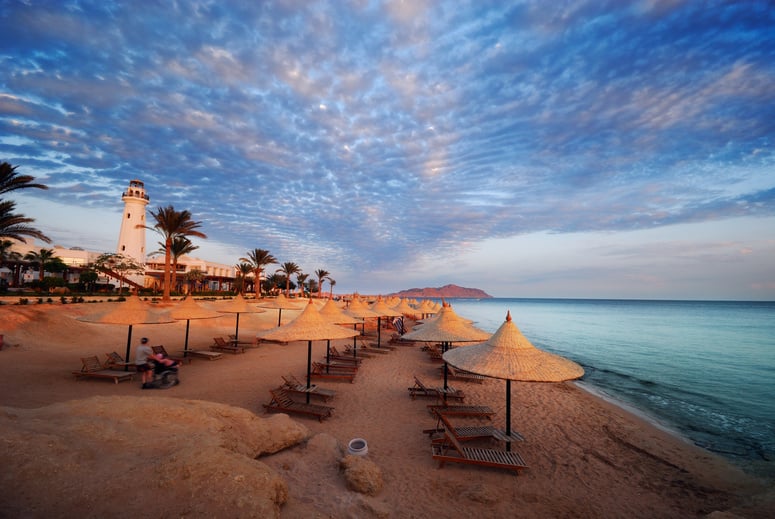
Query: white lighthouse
point(131, 239)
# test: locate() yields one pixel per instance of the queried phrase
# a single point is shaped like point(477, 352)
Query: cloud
point(372, 134)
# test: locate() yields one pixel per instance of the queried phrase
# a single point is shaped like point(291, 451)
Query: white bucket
point(357, 447)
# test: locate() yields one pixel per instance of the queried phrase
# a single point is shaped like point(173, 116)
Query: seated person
point(144, 359)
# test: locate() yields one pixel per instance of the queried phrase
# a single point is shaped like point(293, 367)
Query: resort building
point(191, 273)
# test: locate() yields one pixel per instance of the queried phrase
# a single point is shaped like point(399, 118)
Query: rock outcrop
point(134, 456)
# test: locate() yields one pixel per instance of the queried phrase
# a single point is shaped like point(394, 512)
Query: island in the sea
point(447, 291)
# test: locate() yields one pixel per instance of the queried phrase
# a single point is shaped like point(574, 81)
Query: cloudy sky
point(528, 148)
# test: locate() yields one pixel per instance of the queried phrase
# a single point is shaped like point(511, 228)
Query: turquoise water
point(704, 369)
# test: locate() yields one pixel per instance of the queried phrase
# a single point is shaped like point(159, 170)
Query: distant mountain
point(445, 291)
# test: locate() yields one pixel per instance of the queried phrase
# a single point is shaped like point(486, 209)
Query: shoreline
point(636, 412)
point(586, 454)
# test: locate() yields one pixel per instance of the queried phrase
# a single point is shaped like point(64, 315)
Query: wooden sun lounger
point(420, 389)
point(319, 371)
point(333, 353)
point(478, 411)
point(293, 385)
point(248, 344)
point(336, 366)
point(435, 354)
point(116, 361)
point(452, 451)
point(372, 348)
point(342, 360)
point(91, 368)
point(203, 354)
point(463, 376)
point(282, 403)
point(220, 344)
point(359, 353)
point(471, 432)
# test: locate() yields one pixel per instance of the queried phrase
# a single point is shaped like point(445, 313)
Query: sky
point(527, 148)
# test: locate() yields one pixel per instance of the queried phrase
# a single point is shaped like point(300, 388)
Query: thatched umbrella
point(510, 356)
point(382, 310)
point(426, 308)
point(405, 308)
point(238, 305)
point(131, 312)
point(446, 328)
point(359, 310)
point(279, 303)
point(335, 315)
point(308, 326)
point(189, 309)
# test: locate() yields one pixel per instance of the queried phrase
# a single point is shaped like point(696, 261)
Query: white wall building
point(131, 242)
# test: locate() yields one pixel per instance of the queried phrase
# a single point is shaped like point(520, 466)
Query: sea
point(702, 369)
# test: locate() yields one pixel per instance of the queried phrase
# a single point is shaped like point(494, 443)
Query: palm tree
point(11, 181)
point(10, 257)
point(301, 278)
point(331, 283)
point(321, 275)
point(289, 268)
point(180, 247)
point(41, 260)
point(193, 278)
point(171, 224)
point(273, 281)
point(15, 225)
point(259, 258)
point(243, 269)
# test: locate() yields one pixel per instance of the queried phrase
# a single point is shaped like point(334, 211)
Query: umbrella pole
point(355, 344)
point(279, 316)
point(309, 367)
point(128, 346)
point(446, 371)
point(379, 331)
point(508, 413)
point(236, 331)
point(185, 347)
point(328, 351)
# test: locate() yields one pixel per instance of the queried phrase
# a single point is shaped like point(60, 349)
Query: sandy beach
point(586, 457)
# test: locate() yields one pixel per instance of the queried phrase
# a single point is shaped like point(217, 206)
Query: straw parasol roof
point(359, 309)
point(427, 307)
point(237, 306)
point(131, 312)
point(405, 308)
point(333, 314)
point(447, 327)
point(189, 309)
point(383, 310)
point(380, 308)
point(279, 303)
point(509, 355)
point(308, 326)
